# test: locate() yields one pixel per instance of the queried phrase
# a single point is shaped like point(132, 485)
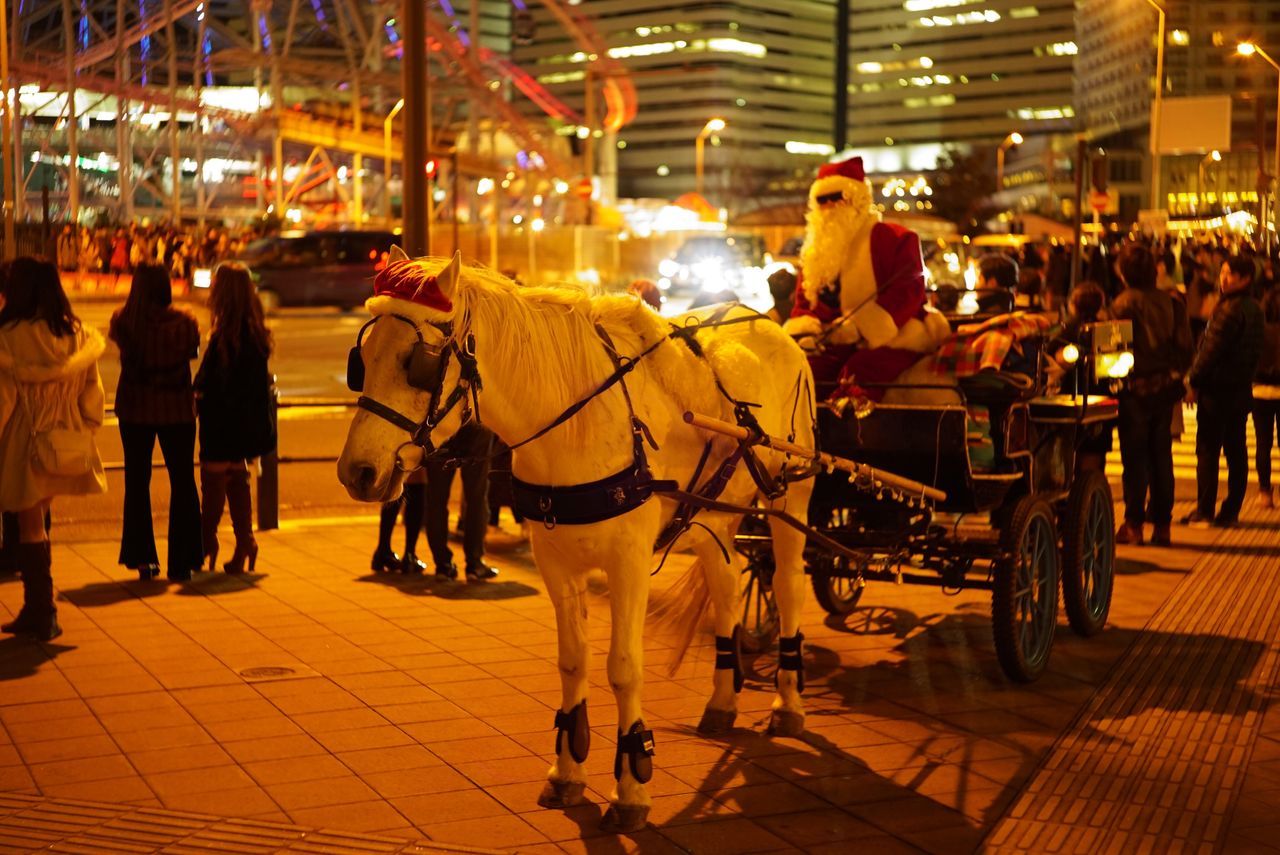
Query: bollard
point(269, 474)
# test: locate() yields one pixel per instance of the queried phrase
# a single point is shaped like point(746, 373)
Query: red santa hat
point(409, 280)
point(851, 168)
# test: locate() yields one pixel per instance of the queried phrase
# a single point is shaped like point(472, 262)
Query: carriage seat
point(997, 389)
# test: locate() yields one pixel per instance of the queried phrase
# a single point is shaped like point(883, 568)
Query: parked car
point(317, 268)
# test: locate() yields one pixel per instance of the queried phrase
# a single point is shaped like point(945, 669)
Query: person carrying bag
point(51, 404)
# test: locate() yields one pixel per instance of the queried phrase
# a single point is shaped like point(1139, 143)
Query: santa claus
point(860, 303)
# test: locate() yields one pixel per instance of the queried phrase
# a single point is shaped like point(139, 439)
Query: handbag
point(60, 452)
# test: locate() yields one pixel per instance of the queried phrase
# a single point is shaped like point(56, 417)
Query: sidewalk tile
point(417, 782)
point(824, 825)
point(388, 759)
point(82, 770)
point(725, 837)
point(295, 769)
point(497, 832)
point(178, 736)
point(243, 801)
point(38, 731)
point(179, 758)
point(339, 741)
point(203, 780)
point(507, 770)
point(340, 790)
point(373, 816)
point(424, 810)
point(481, 748)
point(69, 749)
point(274, 748)
point(113, 790)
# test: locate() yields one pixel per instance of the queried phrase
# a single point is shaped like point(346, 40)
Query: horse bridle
point(425, 369)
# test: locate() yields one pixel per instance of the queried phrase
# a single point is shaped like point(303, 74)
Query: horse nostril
point(366, 476)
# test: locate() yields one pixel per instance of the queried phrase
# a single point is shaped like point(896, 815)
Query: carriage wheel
point(759, 611)
point(1024, 593)
point(1088, 553)
point(836, 590)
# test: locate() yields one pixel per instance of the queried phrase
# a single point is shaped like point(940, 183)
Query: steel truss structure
point(323, 78)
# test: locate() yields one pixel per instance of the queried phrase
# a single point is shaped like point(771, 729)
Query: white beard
point(830, 235)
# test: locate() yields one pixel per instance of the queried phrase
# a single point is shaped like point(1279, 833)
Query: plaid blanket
point(978, 347)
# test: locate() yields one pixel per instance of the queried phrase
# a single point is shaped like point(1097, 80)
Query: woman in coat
point(154, 400)
point(1266, 394)
point(233, 398)
point(51, 402)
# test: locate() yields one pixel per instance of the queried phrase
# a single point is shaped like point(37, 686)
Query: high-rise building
point(765, 68)
point(925, 73)
point(1115, 74)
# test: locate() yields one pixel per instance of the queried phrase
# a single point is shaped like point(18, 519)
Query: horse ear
point(447, 279)
point(396, 254)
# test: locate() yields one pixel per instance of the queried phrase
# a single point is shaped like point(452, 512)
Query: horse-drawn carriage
point(1013, 507)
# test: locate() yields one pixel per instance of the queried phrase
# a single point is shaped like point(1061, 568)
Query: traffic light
point(1099, 170)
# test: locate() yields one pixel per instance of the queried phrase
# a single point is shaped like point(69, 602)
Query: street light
point(1214, 156)
point(1157, 108)
point(1009, 142)
point(386, 159)
point(1250, 49)
point(713, 126)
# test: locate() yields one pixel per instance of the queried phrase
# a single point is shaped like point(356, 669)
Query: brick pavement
point(419, 712)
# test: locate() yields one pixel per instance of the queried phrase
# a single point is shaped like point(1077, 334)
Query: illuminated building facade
point(766, 69)
point(1115, 70)
point(931, 72)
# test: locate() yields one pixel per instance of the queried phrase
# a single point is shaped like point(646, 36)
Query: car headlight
point(201, 277)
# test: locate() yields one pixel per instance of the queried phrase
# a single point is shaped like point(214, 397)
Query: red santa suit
point(862, 286)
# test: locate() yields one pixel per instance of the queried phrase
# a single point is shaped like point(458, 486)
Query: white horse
point(537, 351)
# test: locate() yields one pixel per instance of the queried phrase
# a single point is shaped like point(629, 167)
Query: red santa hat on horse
point(862, 286)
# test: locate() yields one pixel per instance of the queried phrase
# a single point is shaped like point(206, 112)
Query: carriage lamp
point(1070, 354)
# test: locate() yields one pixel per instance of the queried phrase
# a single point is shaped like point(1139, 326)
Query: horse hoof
point(716, 721)
point(625, 819)
point(562, 794)
point(786, 723)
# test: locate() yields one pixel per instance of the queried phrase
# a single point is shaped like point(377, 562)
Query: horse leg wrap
point(729, 656)
point(637, 744)
point(574, 724)
point(790, 657)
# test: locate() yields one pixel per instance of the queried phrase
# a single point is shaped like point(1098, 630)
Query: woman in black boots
point(233, 398)
point(154, 400)
point(51, 403)
point(413, 501)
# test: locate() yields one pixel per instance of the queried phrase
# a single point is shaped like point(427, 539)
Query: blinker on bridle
point(425, 369)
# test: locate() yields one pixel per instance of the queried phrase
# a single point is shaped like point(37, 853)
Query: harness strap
point(382, 411)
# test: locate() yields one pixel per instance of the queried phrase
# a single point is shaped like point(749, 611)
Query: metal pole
point(357, 159)
point(6, 132)
point(1157, 110)
point(175, 153)
point(841, 136)
point(1077, 251)
point(73, 127)
point(124, 146)
point(413, 15)
point(698, 161)
point(21, 176)
point(197, 77)
point(1000, 168)
point(386, 159)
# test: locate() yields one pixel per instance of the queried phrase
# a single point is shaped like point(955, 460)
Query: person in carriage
point(860, 305)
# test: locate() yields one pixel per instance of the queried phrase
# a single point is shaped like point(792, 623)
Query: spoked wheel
point(1088, 553)
point(1024, 594)
point(836, 587)
point(759, 611)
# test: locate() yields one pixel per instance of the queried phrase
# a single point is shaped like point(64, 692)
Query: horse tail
point(681, 610)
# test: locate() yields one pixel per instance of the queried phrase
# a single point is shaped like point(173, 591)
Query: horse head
point(410, 364)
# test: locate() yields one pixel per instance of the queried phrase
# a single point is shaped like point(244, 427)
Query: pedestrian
point(51, 404)
point(233, 400)
point(997, 281)
point(155, 401)
point(782, 288)
point(648, 293)
point(68, 249)
point(468, 450)
point(1266, 394)
point(1162, 352)
point(411, 501)
point(1220, 383)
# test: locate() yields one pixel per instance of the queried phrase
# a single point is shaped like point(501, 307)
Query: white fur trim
point(875, 324)
point(802, 325)
point(385, 305)
point(937, 325)
point(832, 233)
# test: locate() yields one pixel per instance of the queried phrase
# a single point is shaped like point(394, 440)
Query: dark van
point(319, 268)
